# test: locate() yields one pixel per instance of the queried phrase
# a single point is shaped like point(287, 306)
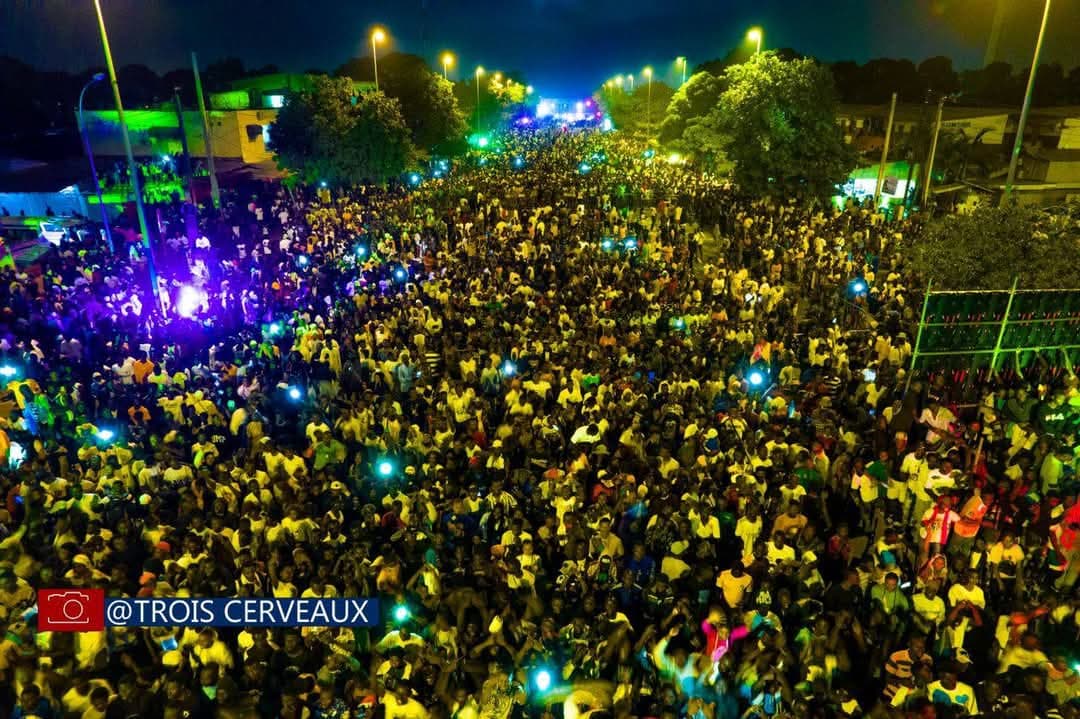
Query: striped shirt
point(899, 670)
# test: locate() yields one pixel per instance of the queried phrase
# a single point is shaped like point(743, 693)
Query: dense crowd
point(604, 436)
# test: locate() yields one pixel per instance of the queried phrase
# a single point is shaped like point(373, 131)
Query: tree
point(142, 86)
point(938, 75)
point(692, 120)
point(633, 112)
point(377, 146)
point(986, 248)
point(218, 76)
point(779, 122)
point(427, 101)
point(501, 100)
point(328, 134)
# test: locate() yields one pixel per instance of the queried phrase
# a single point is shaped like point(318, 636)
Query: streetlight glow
point(682, 61)
point(648, 107)
point(377, 37)
point(528, 89)
point(755, 35)
point(447, 61)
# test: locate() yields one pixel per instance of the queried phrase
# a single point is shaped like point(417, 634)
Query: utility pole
point(884, 153)
point(188, 185)
point(133, 169)
point(995, 33)
point(215, 194)
point(1018, 146)
point(933, 151)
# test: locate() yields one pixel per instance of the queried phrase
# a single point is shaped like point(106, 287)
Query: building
point(239, 122)
point(1049, 169)
point(39, 189)
point(240, 134)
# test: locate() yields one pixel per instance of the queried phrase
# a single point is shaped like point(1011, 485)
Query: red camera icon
point(71, 610)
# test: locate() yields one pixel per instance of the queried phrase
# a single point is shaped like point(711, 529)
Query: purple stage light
point(187, 303)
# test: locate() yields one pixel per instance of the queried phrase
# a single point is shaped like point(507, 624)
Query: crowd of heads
point(603, 435)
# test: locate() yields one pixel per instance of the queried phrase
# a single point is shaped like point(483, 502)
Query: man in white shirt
point(936, 526)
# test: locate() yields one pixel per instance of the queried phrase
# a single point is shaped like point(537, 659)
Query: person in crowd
point(611, 442)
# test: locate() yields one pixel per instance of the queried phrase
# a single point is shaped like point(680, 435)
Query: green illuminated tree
point(779, 122)
point(691, 122)
point(634, 112)
point(986, 248)
point(329, 134)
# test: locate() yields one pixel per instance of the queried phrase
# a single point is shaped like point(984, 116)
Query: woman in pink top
point(718, 640)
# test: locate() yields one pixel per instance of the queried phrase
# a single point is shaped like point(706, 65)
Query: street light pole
point(933, 151)
point(376, 37)
point(133, 169)
point(1018, 146)
point(648, 106)
point(479, 72)
point(995, 32)
point(755, 35)
point(884, 153)
point(683, 61)
point(215, 193)
point(189, 185)
point(90, 156)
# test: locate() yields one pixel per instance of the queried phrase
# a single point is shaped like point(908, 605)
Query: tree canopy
point(634, 112)
point(778, 119)
point(502, 96)
point(428, 104)
point(327, 134)
point(691, 122)
point(986, 248)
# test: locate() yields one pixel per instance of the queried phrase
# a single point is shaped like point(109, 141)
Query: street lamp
point(377, 36)
point(447, 61)
point(528, 89)
point(133, 169)
point(619, 80)
point(1018, 145)
point(631, 79)
point(755, 35)
point(497, 77)
point(682, 61)
point(647, 72)
point(479, 73)
point(90, 156)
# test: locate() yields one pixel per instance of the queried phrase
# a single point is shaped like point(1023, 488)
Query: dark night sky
point(565, 47)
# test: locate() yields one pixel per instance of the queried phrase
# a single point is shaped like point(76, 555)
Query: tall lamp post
point(647, 72)
point(479, 73)
point(377, 36)
point(631, 79)
point(447, 61)
point(90, 156)
point(755, 35)
point(682, 61)
point(133, 169)
point(1018, 146)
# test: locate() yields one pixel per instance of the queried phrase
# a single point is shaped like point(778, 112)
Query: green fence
point(980, 329)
